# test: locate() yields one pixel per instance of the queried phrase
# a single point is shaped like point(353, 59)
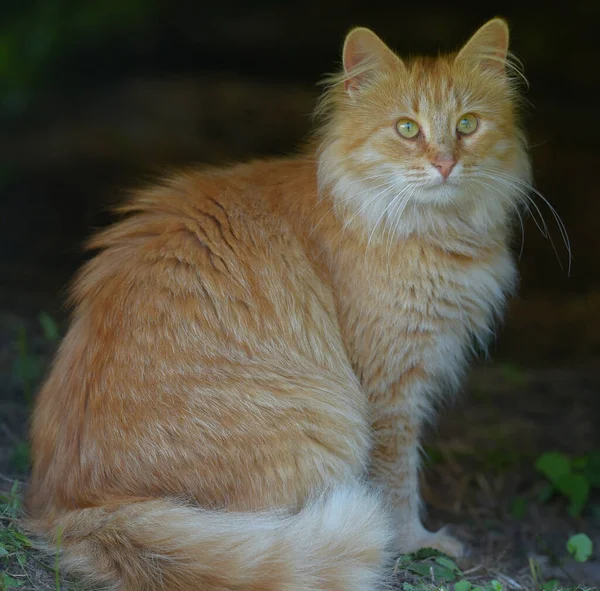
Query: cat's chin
point(444, 193)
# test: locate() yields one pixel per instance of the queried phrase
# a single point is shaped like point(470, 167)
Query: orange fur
point(250, 344)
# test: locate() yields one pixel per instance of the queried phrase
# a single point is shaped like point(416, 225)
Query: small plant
point(580, 547)
point(438, 572)
point(49, 327)
point(572, 477)
point(467, 586)
point(14, 545)
point(430, 563)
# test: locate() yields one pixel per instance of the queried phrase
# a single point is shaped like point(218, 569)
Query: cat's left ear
point(363, 56)
point(488, 47)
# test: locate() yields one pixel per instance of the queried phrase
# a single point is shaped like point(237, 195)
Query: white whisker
point(523, 188)
point(514, 206)
point(390, 204)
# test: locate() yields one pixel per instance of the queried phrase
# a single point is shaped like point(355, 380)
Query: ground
point(480, 474)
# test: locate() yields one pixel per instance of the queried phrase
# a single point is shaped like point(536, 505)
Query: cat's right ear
point(365, 54)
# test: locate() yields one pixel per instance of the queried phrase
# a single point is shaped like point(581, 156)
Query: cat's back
point(212, 252)
point(222, 235)
point(201, 295)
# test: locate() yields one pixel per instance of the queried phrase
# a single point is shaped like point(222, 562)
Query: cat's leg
point(395, 468)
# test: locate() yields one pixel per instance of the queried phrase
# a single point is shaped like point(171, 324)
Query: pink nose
point(444, 166)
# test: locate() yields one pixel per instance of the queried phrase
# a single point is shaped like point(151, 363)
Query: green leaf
point(22, 539)
point(580, 547)
point(424, 553)
point(26, 368)
point(419, 569)
point(553, 465)
point(447, 563)
point(3, 550)
point(519, 508)
point(463, 586)
point(440, 573)
point(8, 582)
point(551, 585)
point(20, 456)
point(577, 489)
point(496, 585)
point(546, 493)
point(592, 469)
point(49, 326)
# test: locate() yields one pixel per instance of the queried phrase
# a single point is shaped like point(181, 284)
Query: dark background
point(101, 96)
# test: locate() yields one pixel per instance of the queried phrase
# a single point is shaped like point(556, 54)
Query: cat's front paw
point(411, 541)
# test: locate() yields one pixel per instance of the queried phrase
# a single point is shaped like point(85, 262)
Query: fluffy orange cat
point(253, 353)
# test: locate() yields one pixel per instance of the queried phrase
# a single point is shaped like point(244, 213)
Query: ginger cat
point(253, 352)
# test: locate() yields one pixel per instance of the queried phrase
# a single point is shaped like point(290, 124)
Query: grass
point(430, 570)
point(22, 565)
point(18, 559)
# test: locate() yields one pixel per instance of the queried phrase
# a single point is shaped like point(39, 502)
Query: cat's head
point(424, 134)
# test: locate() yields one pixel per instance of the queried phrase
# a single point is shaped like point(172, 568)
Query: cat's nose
point(444, 166)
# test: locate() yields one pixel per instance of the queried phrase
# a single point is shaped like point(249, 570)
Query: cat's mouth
point(437, 184)
point(440, 191)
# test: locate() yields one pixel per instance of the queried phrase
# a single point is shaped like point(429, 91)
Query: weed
point(580, 547)
point(432, 570)
point(14, 545)
point(572, 477)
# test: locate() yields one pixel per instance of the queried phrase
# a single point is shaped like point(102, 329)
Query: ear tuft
point(364, 54)
point(488, 47)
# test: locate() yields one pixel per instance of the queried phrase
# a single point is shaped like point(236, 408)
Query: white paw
point(413, 539)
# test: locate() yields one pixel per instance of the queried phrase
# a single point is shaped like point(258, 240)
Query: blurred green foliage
point(35, 34)
point(572, 477)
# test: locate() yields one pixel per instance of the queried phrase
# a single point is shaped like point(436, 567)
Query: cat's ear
point(488, 47)
point(365, 54)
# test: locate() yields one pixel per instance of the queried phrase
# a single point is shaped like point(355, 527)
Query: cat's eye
point(467, 124)
point(408, 128)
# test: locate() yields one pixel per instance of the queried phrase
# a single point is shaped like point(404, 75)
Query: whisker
point(358, 211)
point(515, 207)
point(394, 219)
point(559, 222)
point(398, 196)
point(544, 227)
point(338, 202)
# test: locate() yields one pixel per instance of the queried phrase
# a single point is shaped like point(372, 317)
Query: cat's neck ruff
point(384, 206)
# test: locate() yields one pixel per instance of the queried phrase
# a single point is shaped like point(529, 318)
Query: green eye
point(408, 128)
point(467, 124)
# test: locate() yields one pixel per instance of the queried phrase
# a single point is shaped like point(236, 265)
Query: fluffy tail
point(337, 542)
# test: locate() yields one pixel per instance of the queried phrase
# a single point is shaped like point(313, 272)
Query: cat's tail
point(336, 542)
